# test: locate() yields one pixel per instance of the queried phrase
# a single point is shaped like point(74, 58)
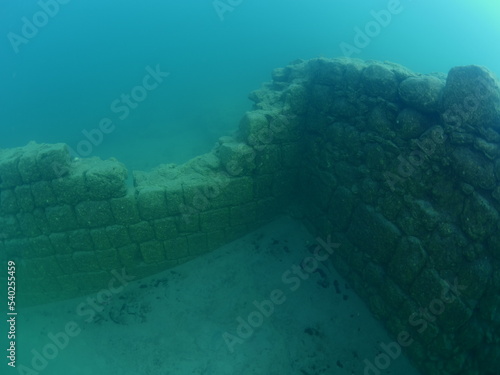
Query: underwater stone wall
point(403, 170)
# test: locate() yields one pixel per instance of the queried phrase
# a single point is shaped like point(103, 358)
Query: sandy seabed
point(241, 309)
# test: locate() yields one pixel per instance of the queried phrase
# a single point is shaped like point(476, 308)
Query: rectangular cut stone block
point(106, 179)
point(152, 251)
point(25, 198)
point(176, 248)
point(214, 219)
point(234, 191)
point(141, 232)
point(60, 242)
point(165, 228)
point(152, 203)
point(108, 259)
point(175, 200)
point(118, 235)
point(70, 189)
point(80, 240)
point(100, 239)
point(61, 218)
point(43, 194)
point(28, 224)
point(125, 210)
point(53, 160)
point(9, 174)
point(188, 223)
point(8, 202)
point(86, 261)
point(41, 246)
point(130, 255)
point(93, 214)
point(27, 165)
point(268, 159)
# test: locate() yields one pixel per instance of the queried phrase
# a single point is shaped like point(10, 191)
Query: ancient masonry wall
point(401, 169)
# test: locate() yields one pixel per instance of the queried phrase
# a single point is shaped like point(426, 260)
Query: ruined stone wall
point(68, 223)
point(403, 170)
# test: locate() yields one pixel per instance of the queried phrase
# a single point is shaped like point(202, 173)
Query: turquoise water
point(62, 79)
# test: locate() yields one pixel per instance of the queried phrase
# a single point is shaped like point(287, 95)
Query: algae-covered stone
point(53, 160)
point(411, 124)
point(86, 261)
point(141, 232)
point(106, 179)
point(380, 81)
point(60, 243)
point(100, 238)
point(152, 251)
point(61, 218)
point(474, 168)
point(125, 210)
point(471, 96)
point(422, 92)
point(152, 203)
point(118, 235)
point(25, 198)
point(408, 261)
point(479, 218)
point(268, 159)
point(94, 213)
point(8, 202)
point(254, 127)
point(9, 174)
point(43, 194)
point(70, 189)
point(28, 224)
point(130, 255)
point(80, 240)
point(108, 259)
point(41, 246)
point(237, 158)
point(28, 166)
point(165, 228)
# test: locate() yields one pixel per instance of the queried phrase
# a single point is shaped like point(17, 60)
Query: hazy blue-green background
point(65, 78)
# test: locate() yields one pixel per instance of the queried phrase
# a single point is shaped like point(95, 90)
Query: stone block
point(237, 158)
point(165, 228)
point(188, 222)
point(141, 232)
point(86, 261)
point(197, 243)
point(130, 255)
point(42, 193)
point(268, 159)
point(214, 219)
point(152, 251)
point(41, 246)
point(175, 200)
point(28, 224)
point(70, 189)
point(254, 127)
point(93, 214)
point(118, 235)
point(243, 214)
point(9, 174)
point(28, 166)
point(108, 259)
point(61, 218)
point(100, 238)
point(408, 261)
point(125, 210)
point(9, 227)
point(8, 202)
point(60, 243)
point(152, 203)
point(176, 248)
point(422, 92)
point(66, 263)
point(25, 198)
point(106, 179)
point(53, 160)
point(41, 220)
point(237, 191)
point(80, 240)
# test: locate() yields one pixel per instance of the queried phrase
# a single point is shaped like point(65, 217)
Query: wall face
point(402, 169)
